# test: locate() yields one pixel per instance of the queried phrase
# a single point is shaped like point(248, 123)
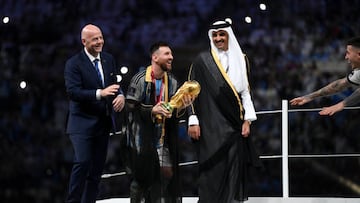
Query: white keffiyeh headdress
point(237, 65)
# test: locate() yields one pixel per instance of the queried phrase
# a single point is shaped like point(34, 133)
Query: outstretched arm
point(332, 88)
point(351, 100)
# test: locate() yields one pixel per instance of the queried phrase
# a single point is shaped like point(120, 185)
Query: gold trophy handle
point(188, 88)
point(191, 87)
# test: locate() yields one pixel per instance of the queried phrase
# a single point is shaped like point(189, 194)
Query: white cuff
point(193, 120)
point(98, 95)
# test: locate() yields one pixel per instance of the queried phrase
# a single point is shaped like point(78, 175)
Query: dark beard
point(164, 67)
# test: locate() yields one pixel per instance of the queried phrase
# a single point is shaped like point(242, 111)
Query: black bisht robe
point(224, 154)
point(144, 164)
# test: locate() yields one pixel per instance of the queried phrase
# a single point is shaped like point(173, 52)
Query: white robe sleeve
point(248, 105)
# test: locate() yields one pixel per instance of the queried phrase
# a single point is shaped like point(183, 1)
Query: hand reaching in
point(298, 101)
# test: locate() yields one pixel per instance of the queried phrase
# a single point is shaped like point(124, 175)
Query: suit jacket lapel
point(107, 70)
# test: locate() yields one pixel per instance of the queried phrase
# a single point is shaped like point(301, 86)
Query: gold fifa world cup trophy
point(191, 87)
point(188, 88)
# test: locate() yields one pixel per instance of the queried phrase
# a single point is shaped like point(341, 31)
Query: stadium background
point(295, 46)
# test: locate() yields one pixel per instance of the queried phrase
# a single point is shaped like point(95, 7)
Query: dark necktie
point(96, 64)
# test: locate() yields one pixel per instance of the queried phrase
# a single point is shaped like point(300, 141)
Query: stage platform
point(259, 200)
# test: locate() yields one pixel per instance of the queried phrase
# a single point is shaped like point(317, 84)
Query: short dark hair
point(155, 46)
point(355, 41)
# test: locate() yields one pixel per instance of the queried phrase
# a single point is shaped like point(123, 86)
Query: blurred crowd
point(294, 47)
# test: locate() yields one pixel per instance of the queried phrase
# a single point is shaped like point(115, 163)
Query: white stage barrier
point(258, 200)
point(285, 168)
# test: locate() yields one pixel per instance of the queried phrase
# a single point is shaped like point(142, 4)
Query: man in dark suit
point(94, 95)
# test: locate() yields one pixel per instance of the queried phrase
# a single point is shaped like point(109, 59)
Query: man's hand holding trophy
point(183, 97)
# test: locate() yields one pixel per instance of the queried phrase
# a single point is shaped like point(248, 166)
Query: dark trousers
point(156, 193)
point(89, 160)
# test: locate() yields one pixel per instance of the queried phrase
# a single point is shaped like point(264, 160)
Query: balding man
point(93, 95)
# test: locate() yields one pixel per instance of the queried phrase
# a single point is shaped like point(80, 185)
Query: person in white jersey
point(351, 80)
